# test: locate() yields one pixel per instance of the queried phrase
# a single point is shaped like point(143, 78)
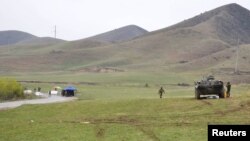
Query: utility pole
point(55, 32)
point(236, 71)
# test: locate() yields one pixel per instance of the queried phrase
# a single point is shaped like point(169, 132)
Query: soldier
point(228, 89)
point(39, 89)
point(49, 92)
point(161, 91)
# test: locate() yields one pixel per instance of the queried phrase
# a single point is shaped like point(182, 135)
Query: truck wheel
point(223, 94)
point(197, 94)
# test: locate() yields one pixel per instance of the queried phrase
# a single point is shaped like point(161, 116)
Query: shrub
point(10, 89)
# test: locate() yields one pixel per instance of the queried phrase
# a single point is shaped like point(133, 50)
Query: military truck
point(209, 86)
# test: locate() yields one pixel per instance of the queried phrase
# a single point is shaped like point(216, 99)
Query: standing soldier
point(228, 89)
point(39, 89)
point(161, 91)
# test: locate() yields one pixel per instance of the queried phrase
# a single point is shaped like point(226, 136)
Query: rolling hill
point(12, 36)
point(227, 23)
point(42, 40)
point(121, 34)
point(204, 43)
point(19, 38)
point(194, 39)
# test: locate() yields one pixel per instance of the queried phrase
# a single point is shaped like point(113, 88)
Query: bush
point(10, 89)
point(183, 84)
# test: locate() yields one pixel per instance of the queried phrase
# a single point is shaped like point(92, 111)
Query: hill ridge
point(121, 34)
point(230, 21)
point(8, 37)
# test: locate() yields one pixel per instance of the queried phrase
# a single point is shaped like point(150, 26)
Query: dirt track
point(51, 99)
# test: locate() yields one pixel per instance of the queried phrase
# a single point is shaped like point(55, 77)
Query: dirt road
point(51, 99)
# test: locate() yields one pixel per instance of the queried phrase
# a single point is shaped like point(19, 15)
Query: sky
point(78, 19)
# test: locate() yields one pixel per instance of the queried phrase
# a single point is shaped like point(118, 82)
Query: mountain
point(193, 39)
point(13, 36)
point(204, 43)
point(227, 22)
point(121, 34)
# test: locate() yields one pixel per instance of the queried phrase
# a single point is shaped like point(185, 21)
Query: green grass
point(125, 112)
point(118, 106)
point(114, 78)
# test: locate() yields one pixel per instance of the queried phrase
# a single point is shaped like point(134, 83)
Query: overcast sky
point(77, 19)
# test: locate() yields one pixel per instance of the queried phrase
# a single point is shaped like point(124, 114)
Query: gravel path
point(51, 99)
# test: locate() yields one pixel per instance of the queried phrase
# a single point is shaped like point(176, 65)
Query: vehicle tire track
point(149, 133)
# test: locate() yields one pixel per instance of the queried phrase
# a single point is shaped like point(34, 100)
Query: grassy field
point(121, 108)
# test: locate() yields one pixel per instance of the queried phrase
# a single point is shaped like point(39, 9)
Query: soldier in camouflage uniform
point(161, 91)
point(228, 89)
